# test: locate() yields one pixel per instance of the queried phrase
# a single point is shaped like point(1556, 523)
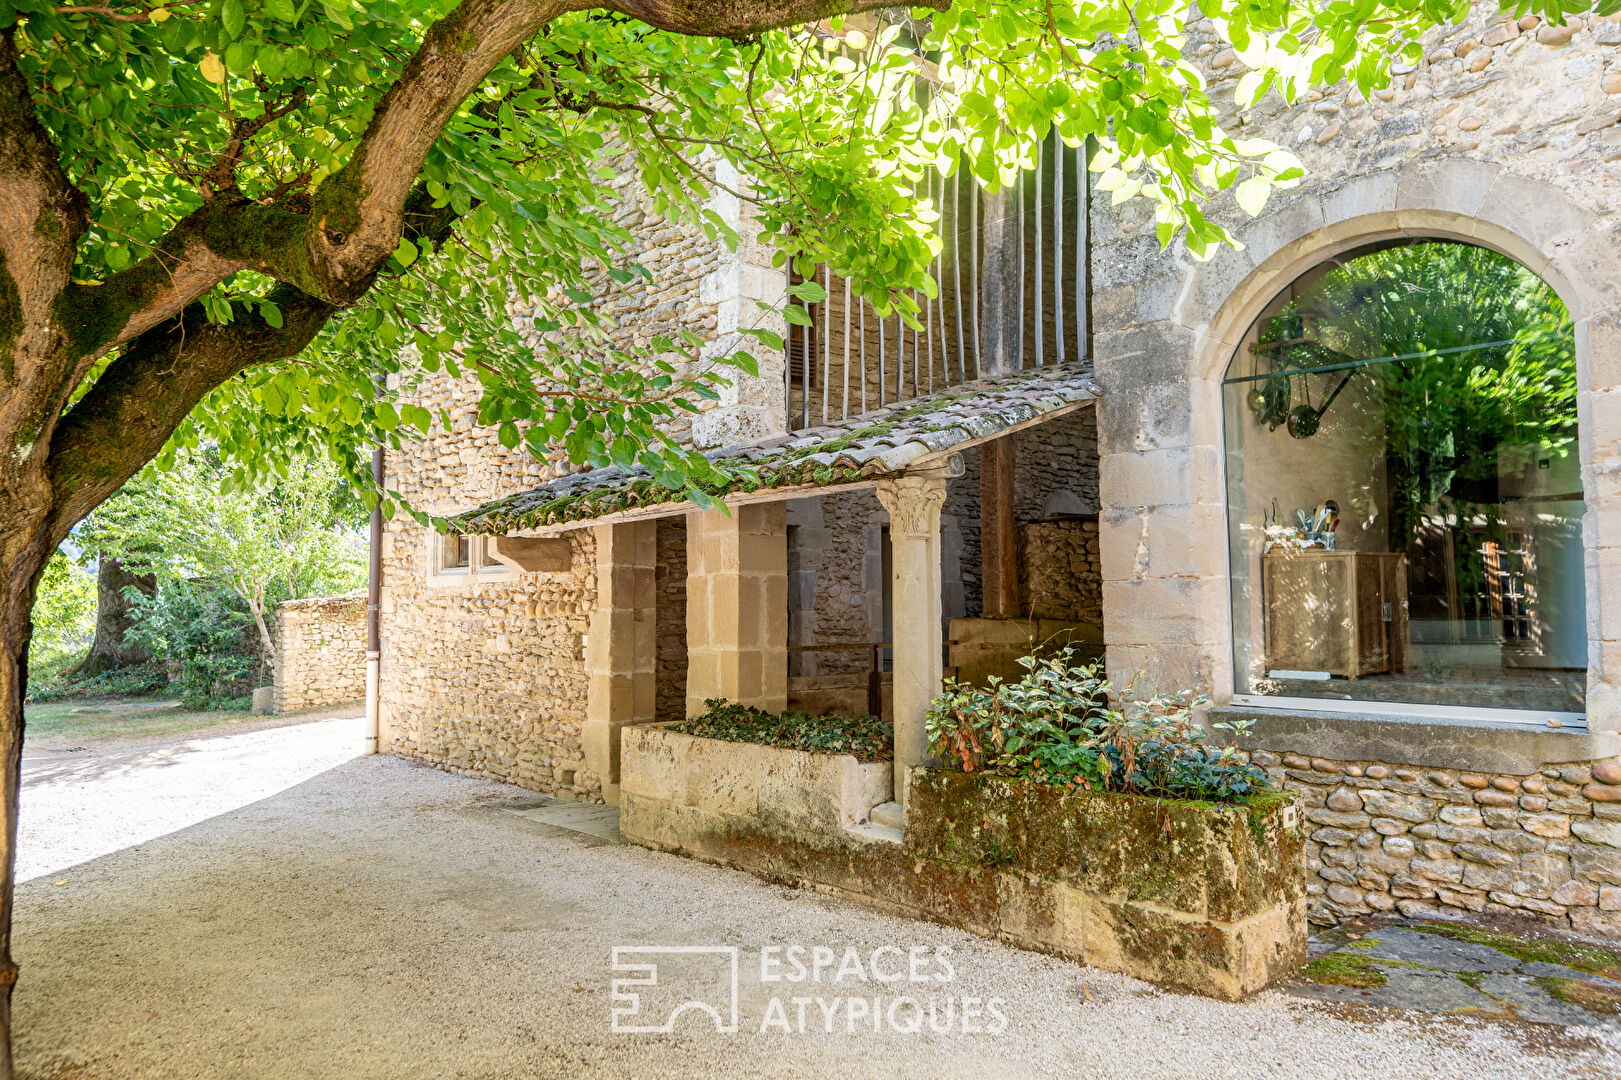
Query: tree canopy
point(353, 182)
point(293, 538)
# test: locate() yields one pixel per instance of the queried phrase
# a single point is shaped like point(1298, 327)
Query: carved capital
point(914, 503)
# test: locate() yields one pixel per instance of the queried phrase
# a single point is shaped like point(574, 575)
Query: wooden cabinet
point(1343, 612)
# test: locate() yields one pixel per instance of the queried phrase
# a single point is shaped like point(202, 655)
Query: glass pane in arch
point(1404, 492)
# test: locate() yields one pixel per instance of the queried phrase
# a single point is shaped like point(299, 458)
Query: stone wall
point(1206, 898)
point(1391, 838)
point(1059, 455)
point(1503, 135)
point(320, 651)
point(1059, 576)
point(485, 678)
point(835, 590)
point(488, 677)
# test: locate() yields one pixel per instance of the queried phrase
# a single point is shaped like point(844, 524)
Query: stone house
point(1098, 442)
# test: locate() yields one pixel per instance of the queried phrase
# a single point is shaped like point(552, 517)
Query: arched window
point(1404, 492)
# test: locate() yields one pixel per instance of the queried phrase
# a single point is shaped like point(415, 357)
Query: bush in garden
point(1057, 725)
point(206, 640)
point(64, 616)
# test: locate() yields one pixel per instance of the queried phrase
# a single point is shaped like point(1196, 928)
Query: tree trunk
point(18, 587)
point(267, 643)
point(112, 647)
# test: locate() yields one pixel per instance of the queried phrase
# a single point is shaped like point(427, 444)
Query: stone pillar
point(914, 502)
point(621, 649)
point(737, 607)
point(1162, 530)
point(998, 539)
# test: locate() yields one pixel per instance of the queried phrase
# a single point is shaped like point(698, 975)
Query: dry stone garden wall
point(320, 651)
point(1391, 838)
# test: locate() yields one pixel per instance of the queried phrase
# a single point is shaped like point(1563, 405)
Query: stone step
point(887, 815)
point(871, 831)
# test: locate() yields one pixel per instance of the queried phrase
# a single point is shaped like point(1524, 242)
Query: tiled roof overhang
point(914, 434)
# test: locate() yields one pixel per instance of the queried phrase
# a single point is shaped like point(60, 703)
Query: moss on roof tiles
point(777, 464)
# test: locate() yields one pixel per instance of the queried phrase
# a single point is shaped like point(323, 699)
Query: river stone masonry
point(489, 677)
point(320, 651)
point(1425, 842)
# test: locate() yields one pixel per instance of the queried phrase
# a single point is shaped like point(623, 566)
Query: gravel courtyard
point(354, 917)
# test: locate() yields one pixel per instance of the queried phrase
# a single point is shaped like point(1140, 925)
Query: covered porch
point(859, 565)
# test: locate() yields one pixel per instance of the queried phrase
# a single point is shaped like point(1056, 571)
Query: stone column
point(737, 607)
point(914, 502)
point(621, 648)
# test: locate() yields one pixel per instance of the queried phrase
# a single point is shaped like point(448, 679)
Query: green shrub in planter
point(1058, 726)
point(866, 737)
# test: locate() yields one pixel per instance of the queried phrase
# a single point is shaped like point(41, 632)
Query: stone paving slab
point(1425, 967)
point(592, 819)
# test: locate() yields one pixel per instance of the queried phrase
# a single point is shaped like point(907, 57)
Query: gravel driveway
point(383, 919)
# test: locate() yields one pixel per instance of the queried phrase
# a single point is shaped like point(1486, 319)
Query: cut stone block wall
point(1208, 899)
point(737, 606)
point(320, 651)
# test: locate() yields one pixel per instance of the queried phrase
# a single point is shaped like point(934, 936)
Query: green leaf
point(808, 291)
point(1252, 194)
point(406, 253)
point(232, 17)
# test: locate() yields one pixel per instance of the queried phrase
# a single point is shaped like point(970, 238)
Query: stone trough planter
point(1193, 895)
point(683, 793)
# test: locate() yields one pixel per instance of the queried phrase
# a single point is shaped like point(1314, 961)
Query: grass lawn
point(119, 718)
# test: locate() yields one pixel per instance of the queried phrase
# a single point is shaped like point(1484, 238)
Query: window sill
point(1424, 741)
